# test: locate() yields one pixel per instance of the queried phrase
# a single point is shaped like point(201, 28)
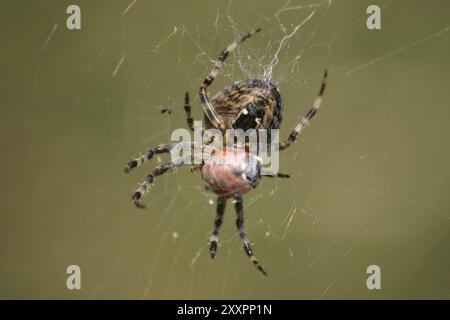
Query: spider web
point(346, 205)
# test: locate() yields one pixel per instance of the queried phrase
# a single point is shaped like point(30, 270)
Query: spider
point(247, 104)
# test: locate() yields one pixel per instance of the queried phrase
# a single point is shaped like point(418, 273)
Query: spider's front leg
point(159, 149)
point(239, 206)
point(162, 148)
point(277, 175)
point(214, 239)
point(158, 171)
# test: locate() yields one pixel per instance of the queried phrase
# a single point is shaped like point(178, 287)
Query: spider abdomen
point(230, 172)
point(249, 104)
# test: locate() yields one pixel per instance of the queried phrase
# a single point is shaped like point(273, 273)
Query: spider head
point(231, 171)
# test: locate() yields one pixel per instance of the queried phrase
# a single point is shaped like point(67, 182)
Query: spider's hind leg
point(305, 120)
point(204, 98)
point(187, 109)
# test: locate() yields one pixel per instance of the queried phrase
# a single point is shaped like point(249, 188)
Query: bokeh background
point(370, 177)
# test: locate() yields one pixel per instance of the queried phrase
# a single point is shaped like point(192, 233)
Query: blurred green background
point(370, 177)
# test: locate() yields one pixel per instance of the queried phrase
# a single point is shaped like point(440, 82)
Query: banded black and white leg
point(158, 171)
point(213, 117)
point(277, 175)
point(214, 239)
point(239, 206)
point(306, 119)
point(159, 149)
point(187, 109)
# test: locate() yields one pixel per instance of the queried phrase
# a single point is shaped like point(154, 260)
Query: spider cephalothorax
point(231, 171)
point(247, 104)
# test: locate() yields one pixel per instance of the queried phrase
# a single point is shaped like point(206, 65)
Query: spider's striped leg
point(207, 107)
point(239, 206)
point(305, 121)
point(158, 171)
point(162, 148)
point(277, 175)
point(187, 109)
point(214, 239)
